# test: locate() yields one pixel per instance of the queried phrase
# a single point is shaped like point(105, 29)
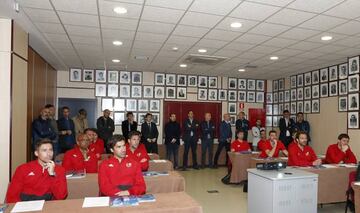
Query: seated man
point(340, 152)
point(40, 179)
point(272, 147)
point(239, 145)
point(80, 158)
point(97, 144)
point(262, 140)
point(300, 154)
point(137, 151)
point(120, 175)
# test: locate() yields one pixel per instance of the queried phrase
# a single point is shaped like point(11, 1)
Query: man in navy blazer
point(287, 127)
point(190, 138)
point(128, 125)
point(149, 134)
point(207, 140)
point(224, 139)
point(66, 129)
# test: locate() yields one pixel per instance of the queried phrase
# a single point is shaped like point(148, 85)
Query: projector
point(271, 165)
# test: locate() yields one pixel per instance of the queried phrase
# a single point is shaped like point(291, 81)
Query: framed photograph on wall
point(242, 84)
point(293, 81)
point(275, 97)
point(259, 97)
point(125, 91)
point(281, 96)
point(275, 109)
point(307, 106)
point(203, 81)
point(293, 109)
point(251, 97)
point(307, 93)
point(232, 120)
point(353, 65)
point(343, 90)
point(275, 121)
point(88, 75)
point(275, 85)
point(281, 108)
point(315, 106)
point(293, 95)
point(353, 101)
point(232, 95)
point(141, 117)
point(315, 77)
point(202, 94)
point(232, 108)
point(113, 90)
point(353, 120)
point(159, 79)
point(281, 84)
point(136, 91)
point(159, 92)
point(300, 94)
point(213, 82)
point(251, 84)
point(170, 92)
point(300, 80)
point(181, 80)
point(260, 85)
point(100, 76)
point(324, 90)
point(343, 104)
point(324, 75)
point(106, 103)
point(333, 73)
point(212, 95)
point(333, 88)
point(315, 91)
point(269, 97)
point(118, 118)
point(75, 74)
point(287, 95)
point(119, 105)
point(156, 118)
point(148, 91)
point(287, 106)
point(192, 81)
point(353, 84)
point(170, 79)
point(222, 95)
point(143, 105)
point(181, 93)
point(242, 96)
point(232, 83)
point(300, 106)
point(269, 109)
point(113, 77)
point(268, 122)
point(125, 77)
point(307, 79)
point(343, 71)
point(155, 105)
point(136, 77)
point(100, 90)
point(131, 105)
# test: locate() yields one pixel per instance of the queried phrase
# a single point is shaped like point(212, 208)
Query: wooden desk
point(165, 166)
point(240, 163)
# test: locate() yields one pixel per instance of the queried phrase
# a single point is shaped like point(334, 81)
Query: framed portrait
point(333, 73)
point(136, 77)
point(88, 75)
point(119, 105)
point(192, 81)
point(143, 105)
point(156, 118)
point(125, 91)
point(100, 90)
point(181, 80)
point(259, 97)
point(232, 83)
point(281, 108)
point(159, 79)
point(353, 65)
point(300, 80)
point(287, 106)
point(307, 93)
point(293, 109)
point(353, 84)
point(315, 91)
point(106, 103)
point(232, 95)
point(260, 85)
point(222, 95)
point(300, 106)
point(275, 97)
point(170, 92)
point(181, 93)
point(281, 97)
point(343, 71)
point(203, 81)
point(315, 106)
point(293, 81)
point(113, 90)
point(232, 120)
point(232, 108)
point(242, 96)
point(343, 104)
point(333, 88)
point(307, 79)
point(300, 94)
point(268, 122)
point(324, 90)
point(293, 95)
point(212, 95)
point(324, 75)
point(170, 79)
point(159, 92)
point(136, 91)
point(287, 95)
point(353, 120)
point(307, 106)
point(275, 109)
point(343, 87)
point(315, 77)
point(141, 117)
point(269, 97)
point(119, 117)
point(275, 121)
point(269, 109)
point(281, 84)
point(251, 97)
point(251, 84)
point(125, 77)
point(100, 76)
point(131, 105)
point(75, 74)
point(155, 105)
point(275, 85)
point(148, 91)
point(213, 82)
point(353, 101)
point(242, 84)
point(202, 94)
point(113, 76)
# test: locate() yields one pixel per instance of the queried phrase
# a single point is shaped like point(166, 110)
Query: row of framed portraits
point(273, 121)
point(119, 117)
point(349, 102)
point(130, 105)
point(308, 107)
point(105, 76)
point(230, 95)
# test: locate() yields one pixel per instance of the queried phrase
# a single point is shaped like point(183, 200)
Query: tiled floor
point(230, 197)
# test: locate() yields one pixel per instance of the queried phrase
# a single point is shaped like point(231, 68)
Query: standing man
point(80, 122)
point(207, 140)
point(41, 128)
point(302, 125)
point(54, 127)
point(224, 139)
point(242, 124)
point(128, 125)
point(286, 125)
point(66, 130)
point(172, 139)
point(149, 134)
point(190, 140)
point(256, 133)
point(106, 127)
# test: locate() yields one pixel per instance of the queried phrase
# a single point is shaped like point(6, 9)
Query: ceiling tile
point(56, 37)
point(264, 49)
point(290, 17)
point(299, 33)
point(348, 9)
point(180, 41)
point(173, 4)
point(50, 28)
point(246, 24)
point(287, 52)
point(118, 34)
point(222, 35)
point(227, 53)
point(211, 43)
point(269, 29)
point(335, 38)
point(200, 19)
point(305, 45)
point(252, 38)
point(40, 15)
point(147, 45)
point(161, 14)
point(79, 19)
point(78, 6)
point(155, 27)
point(238, 46)
point(85, 40)
point(329, 49)
point(118, 23)
point(82, 31)
point(106, 8)
point(322, 22)
point(348, 41)
point(251, 55)
point(214, 6)
point(254, 11)
point(280, 3)
point(151, 37)
point(191, 31)
point(316, 6)
point(280, 42)
point(349, 28)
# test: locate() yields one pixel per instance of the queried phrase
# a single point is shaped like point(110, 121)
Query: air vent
point(203, 59)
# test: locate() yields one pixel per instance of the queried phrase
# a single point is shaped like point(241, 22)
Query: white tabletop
point(284, 174)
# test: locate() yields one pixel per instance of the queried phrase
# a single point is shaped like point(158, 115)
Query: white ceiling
point(81, 32)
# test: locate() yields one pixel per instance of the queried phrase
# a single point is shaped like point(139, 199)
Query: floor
point(230, 197)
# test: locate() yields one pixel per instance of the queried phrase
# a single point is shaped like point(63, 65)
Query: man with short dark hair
point(340, 152)
point(137, 150)
point(105, 126)
point(242, 124)
point(300, 154)
point(40, 179)
point(207, 140)
point(286, 125)
point(41, 127)
point(190, 138)
point(128, 125)
point(172, 139)
point(66, 129)
point(224, 139)
point(302, 125)
point(272, 147)
point(149, 134)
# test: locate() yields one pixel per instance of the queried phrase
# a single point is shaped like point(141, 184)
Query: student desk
point(175, 202)
point(163, 166)
point(88, 186)
point(240, 163)
point(254, 161)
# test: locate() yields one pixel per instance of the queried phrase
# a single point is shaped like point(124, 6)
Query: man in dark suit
point(128, 125)
point(242, 124)
point(106, 128)
point(207, 140)
point(66, 129)
point(172, 139)
point(190, 140)
point(224, 139)
point(286, 125)
point(149, 134)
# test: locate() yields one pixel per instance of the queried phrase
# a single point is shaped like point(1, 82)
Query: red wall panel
point(255, 114)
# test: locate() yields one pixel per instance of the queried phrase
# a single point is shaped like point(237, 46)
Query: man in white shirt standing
point(256, 133)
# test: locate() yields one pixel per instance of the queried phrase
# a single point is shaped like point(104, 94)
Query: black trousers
point(190, 143)
point(207, 147)
point(221, 146)
point(172, 151)
point(287, 140)
point(151, 147)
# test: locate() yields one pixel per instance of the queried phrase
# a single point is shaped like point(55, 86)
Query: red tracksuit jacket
point(30, 179)
point(240, 146)
point(139, 154)
point(74, 161)
point(113, 174)
point(97, 147)
point(298, 157)
point(335, 155)
point(267, 146)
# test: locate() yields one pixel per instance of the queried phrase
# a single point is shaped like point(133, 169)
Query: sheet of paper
point(284, 158)
point(329, 166)
point(348, 165)
point(159, 161)
point(95, 202)
point(357, 183)
point(28, 206)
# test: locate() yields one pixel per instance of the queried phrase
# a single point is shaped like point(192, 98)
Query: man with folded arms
point(300, 154)
point(40, 179)
point(120, 175)
point(340, 152)
point(81, 158)
point(272, 147)
point(137, 150)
